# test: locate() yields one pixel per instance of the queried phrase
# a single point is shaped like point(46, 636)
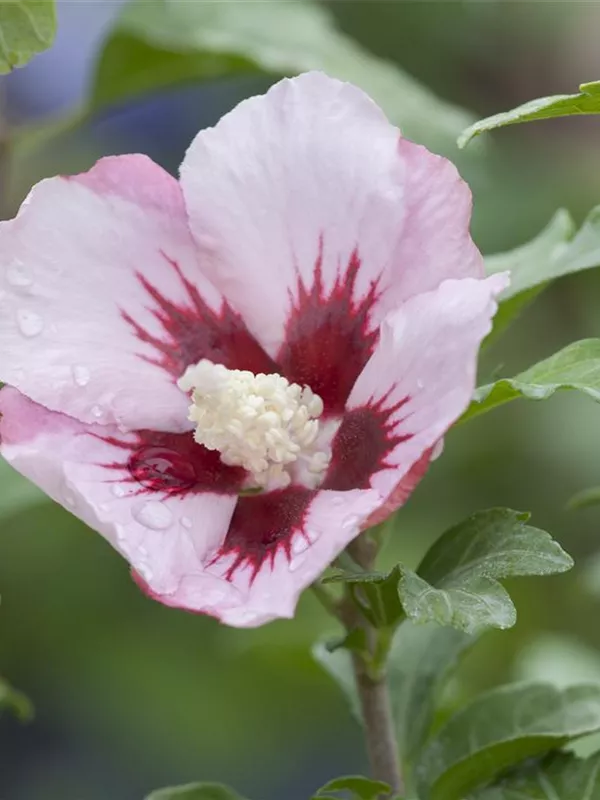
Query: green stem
point(380, 737)
point(381, 651)
point(370, 667)
point(372, 682)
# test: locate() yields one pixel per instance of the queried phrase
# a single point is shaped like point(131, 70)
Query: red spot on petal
point(262, 526)
point(329, 336)
point(362, 444)
point(174, 465)
point(193, 330)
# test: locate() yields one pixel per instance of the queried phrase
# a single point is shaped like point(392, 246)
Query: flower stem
point(370, 673)
point(380, 737)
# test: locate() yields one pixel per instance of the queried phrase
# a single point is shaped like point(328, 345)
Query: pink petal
point(307, 202)
point(402, 491)
point(252, 592)
point(162, 535)
point(185, 549)
point(435, 243)
point(104, 304)
point(418, 382)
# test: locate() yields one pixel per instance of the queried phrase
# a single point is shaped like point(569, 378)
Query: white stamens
point(262, 423)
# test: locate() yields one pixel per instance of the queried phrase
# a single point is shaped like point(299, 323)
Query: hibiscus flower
point(231, 376)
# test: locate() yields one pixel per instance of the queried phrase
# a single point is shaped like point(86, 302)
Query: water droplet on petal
point(215, 596)
point(123, 542)
point(160, 468)
point(338, 500)
point(295, 563)
point(186, 522)
point(350, 522)
point(81, 375)
point(96, 412)
point(145, 572)
point(118, 490)
point(16, 275)
point(438, 449)
point(30, 324)
point(300, 544)
point(420, 384)
point(69, 499)
point(153, 514)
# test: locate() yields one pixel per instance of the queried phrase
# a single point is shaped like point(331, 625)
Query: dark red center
point(329, 335)
point(192, 330)
point(362, 444)
point(329, 338)
point(263, 524)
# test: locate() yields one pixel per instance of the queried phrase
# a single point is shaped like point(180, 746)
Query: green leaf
point(531, 267)
point(27, 27)
point(557, 777)
point(156, 45)
point(15, 701)
point(496, 543)
point(355, 641)
point(356, 786)
point(559, 105)
point(481, 602)
point(557, 251)
point(585, 498)
point(500, 729)
point(422, 658)
point(456, 583)
point(195, 791)
point(376, 594)
point(577, 366)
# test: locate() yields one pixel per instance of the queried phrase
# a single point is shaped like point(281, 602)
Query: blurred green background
point(130, 695)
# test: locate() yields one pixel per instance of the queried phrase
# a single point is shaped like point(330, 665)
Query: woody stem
point(380, 738)
point(372, 683)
